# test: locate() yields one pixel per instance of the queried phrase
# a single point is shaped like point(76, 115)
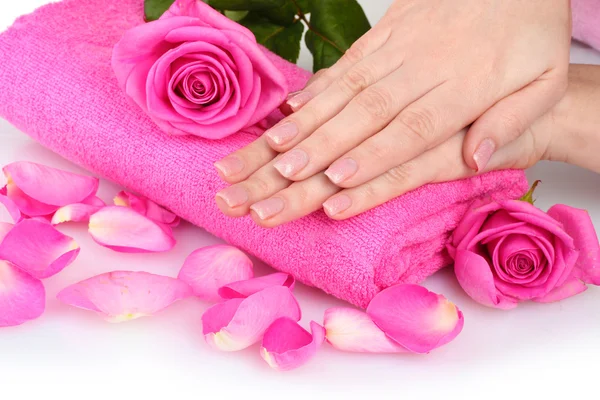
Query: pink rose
point(511, 251)
point(196, 72)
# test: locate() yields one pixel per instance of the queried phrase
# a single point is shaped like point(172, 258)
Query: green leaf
point(281, 40)
point(528, 197)
point(153, 9)
point(235, 15)
point(334, 26)
point(245, 5)
point(282, 15)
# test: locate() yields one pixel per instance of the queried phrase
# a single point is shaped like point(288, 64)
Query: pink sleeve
point(586, 21)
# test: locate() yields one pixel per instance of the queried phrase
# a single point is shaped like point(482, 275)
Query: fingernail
point(291, 162)
point(483, 153)
point(283, 133)
point(297, 99)
point(234, 196)
point(341, 170)
point(267, 208)
point(337, 204)
point(230, 165)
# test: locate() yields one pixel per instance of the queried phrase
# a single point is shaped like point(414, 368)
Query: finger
point(235, 200)
point(509, 118)
point(331, 101)
point(293, 202)
point(367, 113)
point(285, 108)
point(422, 125)
point(240, 164)
point(366, 45)
point(442, 163)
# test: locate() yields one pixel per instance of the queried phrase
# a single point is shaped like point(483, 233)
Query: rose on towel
point(196, 72)
point(510, 251)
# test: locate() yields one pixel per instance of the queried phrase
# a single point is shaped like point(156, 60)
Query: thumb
point(509, 118)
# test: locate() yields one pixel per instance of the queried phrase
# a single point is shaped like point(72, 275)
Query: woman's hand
point(570, 132)
point(426, 71)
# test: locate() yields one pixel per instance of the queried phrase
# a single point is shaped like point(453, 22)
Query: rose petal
point(122, 229)
point(94, 201)
point(286, 345)
point(209, 268)
point(238, 323)
point(22, 297)
point(146, 207)
point(9, 212)
point(248, 287)
point(79, 212)
point(570, 288)
point(38, 248)
point(475, 277)
point(348, 329)
point(121, 296)
point(415, 318)
point(4, 229)
point(208, 15)
point(579, 226)
point(50, 186)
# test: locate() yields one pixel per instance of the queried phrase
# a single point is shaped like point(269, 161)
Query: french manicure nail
point(483, 153)
point(296, 100)
point(337, 204)
point(234, 196)
point(283, 133)
point(230, 165)
point(291, 162)
point(265, 209)
point(341, 170)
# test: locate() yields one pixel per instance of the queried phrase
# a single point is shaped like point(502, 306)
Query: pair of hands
point(384, 119)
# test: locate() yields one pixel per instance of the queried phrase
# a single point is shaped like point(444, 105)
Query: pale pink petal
point(578, 224)
point(38, 248)
point(122, 229)
point(248, 287)
point(22, 297)
point(568, 289)
point(238, 323)
point(26, 204)
point(121, 296)
point(94, 201)
point(475, 276)
point(4, 229)
point(415, 318)
point(286, 345)
point(146, 207)
point(79, 212)
point(348, 329)
point(9, 212)
point(45, 185)
point(209, 268)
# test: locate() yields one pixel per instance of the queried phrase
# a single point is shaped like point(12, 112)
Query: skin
point(569, 132)
point(370, 127)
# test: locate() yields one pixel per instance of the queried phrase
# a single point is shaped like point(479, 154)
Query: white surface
point(535, 350)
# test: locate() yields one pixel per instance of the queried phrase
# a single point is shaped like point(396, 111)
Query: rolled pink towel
point(56, 84)
point(586, 21)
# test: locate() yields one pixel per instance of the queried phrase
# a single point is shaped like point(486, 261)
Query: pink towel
point(57, 85)
point(586, 21)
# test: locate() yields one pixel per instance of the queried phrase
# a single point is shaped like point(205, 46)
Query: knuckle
point(419, 123)
point(513, 124)
point(399, 175)
point(375, 103)
point(376, 152)
point(367, 192)
point(257, 184)
point(356, 52)
point(356, 80)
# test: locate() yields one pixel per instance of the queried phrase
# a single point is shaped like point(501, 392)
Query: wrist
point(574, 123)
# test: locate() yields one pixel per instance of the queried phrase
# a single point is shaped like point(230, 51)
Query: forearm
point(574, 123)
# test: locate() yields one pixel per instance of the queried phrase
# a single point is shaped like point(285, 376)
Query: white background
point(535, 350)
